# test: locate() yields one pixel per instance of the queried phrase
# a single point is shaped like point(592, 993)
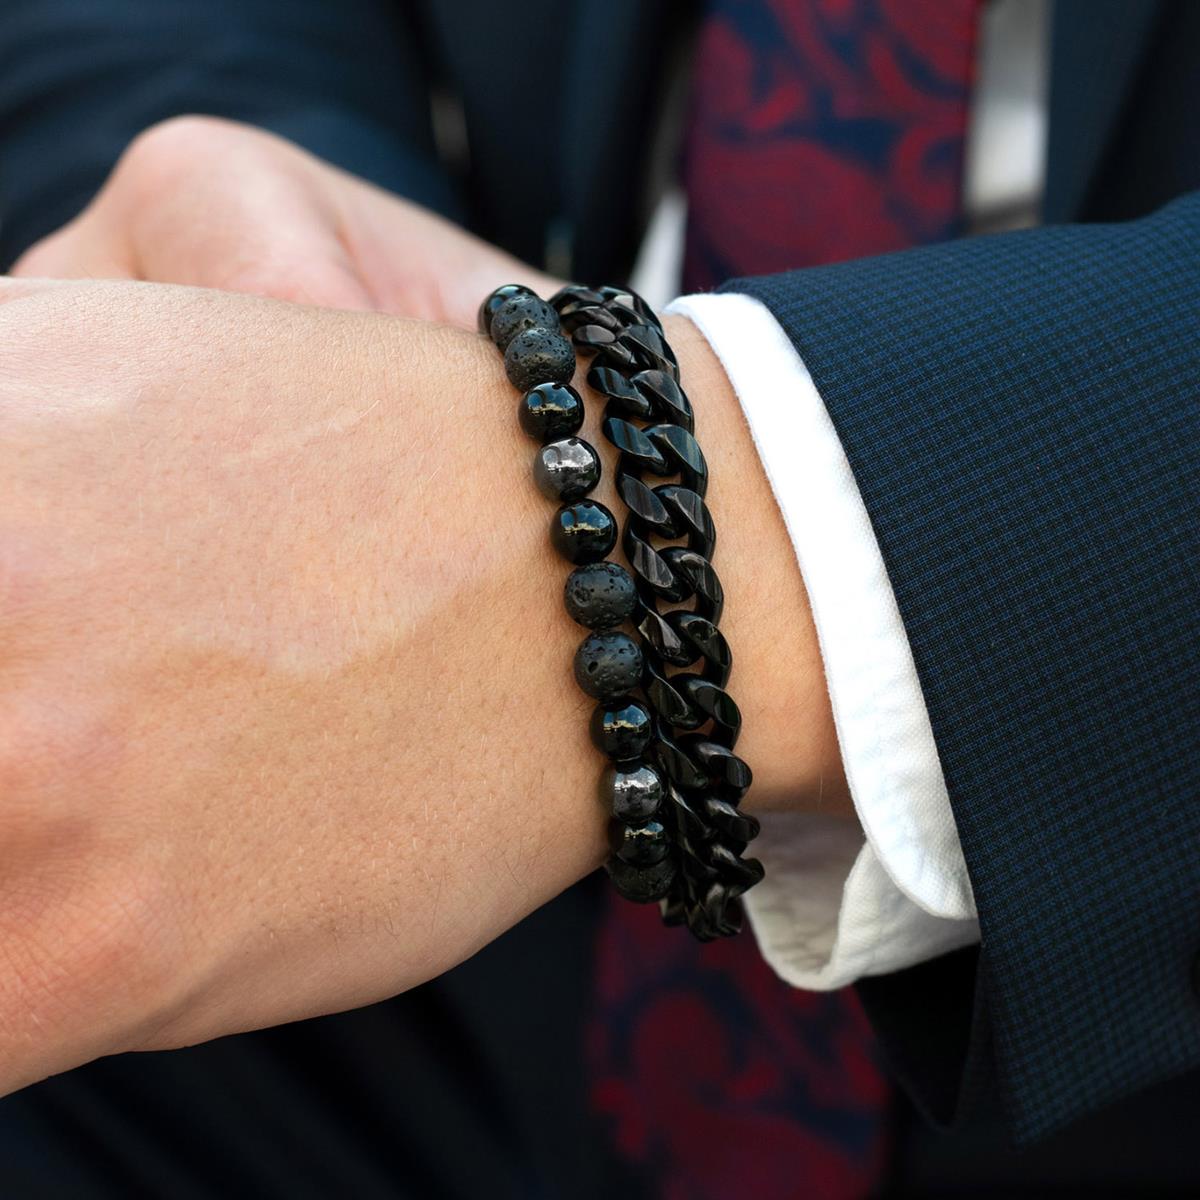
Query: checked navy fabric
point(1022, 415)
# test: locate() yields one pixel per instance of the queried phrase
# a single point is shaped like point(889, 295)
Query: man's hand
point(287, 719)
point(209, 202)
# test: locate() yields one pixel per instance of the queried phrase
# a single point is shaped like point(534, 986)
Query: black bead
point(566, 470)
point(551, 411)
point(641, 884)
point(622, 729)
point(600, 595)
point(519, 313)
point(608, 665)
point(641, 845)
point(583, 532)
point(632, 792)
point(487, 310)
point(539, 356)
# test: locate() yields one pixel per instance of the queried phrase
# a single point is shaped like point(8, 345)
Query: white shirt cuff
point(838, 902)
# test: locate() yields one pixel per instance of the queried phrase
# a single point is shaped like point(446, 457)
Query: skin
point(283, 728)
point(213, 203)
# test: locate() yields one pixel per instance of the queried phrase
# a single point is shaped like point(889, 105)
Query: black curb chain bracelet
point(674, 784)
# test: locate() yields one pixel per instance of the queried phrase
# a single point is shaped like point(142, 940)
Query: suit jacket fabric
point(1022, 415)
point(1019, 411)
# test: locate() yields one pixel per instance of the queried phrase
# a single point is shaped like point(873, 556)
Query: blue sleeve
point(1022, 415)
point(80, 78)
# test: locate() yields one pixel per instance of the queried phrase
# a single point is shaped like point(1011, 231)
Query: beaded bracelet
point(673, 791)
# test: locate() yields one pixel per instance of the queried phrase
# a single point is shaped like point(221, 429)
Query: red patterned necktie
point(823, 130)
point(820, 130)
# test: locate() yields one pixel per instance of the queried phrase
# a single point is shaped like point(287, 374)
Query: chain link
point(687, 659)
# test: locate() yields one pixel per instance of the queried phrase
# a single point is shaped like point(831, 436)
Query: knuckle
point(164, 153)
point(179, 137)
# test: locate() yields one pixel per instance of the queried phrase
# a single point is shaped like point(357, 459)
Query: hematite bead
point(583, 532)
point(566, 470)
point(641, 845)
point(622, 729)
point(632, 792)
point(539, 356)
point(551, 411)
point(600, 595)
point(518, 313)
point(641, 884)
point(492, 302)
point(608, 665)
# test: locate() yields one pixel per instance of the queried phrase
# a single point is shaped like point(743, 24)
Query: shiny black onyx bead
point(600, 595)
point(583, 532)
point(632, 792)
point(641, 845)
point(566, 470)
point(491, 303)
point(539, 356)
point(518, 314)
point(551, 411)
point(608, 665)
point(641, 884)
point(622, 729)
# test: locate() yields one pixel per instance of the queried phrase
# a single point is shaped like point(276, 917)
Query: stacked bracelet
point(674, 783)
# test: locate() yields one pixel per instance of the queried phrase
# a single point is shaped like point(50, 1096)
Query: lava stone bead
point(551, 411)
point(519, 313)
point(622, 729)
point(493, 302)
point(583, 532)
point(641, 884)
point(600, 595)
point(641, 845)
point(566, 470)
point(632, 792)
point(539, 356)
point(608, 665)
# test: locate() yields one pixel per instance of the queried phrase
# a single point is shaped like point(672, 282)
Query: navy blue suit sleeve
point(80, 78)
point(1022, 415)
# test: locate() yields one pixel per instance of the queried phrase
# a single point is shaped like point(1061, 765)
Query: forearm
point(289, 719)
